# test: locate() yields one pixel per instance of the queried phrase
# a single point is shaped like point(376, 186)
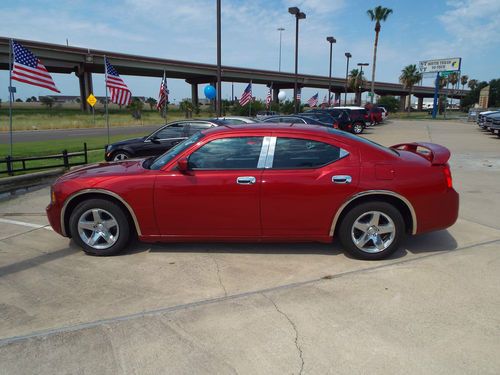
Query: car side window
point(195, 127)
point(227, 153)
point(176, 130)
point(293, 153)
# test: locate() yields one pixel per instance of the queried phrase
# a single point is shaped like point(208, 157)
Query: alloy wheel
point(373, 232)
point(98, 228)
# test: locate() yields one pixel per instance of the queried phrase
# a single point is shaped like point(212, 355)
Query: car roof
point(288, 127)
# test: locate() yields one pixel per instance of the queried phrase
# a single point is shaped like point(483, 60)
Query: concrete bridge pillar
point(85, 80)
point(402, 102)
point(336, 99)
point(276, 91)
point(194, 94)
point(420, 104)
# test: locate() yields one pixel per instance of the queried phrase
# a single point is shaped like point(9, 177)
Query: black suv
point(355, 121)
point(157, 142)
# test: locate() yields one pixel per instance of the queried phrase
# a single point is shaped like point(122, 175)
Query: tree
point(389, 102)
point(33, 99)
point(28, 100)
point(378, 14)
point(355, 81)
point(136, 107)
point(19, 100)
point(409, 77)
point(186, 106)
point(152, 102)
point(47, 101)
point(463, 80)
point(472, 84)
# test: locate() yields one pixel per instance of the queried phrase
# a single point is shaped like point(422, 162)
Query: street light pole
point(361, 81)
point(280, 29)
point(331, 40)
point(298, 16)
point(219, 80)
point(348, 56)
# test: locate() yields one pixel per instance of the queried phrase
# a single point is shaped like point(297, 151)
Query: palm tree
point(472, 84)
point(463, 80)
point(355, 82)
point(378, 14)
point(453, 79)
point(443, 81)
point(409, 77)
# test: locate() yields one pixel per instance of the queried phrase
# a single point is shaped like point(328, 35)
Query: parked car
point(263, 114)
point(294, 119)
point(490, 121)
point(358, 115)
point(338, 118)
point(385, 112)
point(237, 120)
point(261, 182)
point(482, 117)
point(487, 119)
point(157, 142)
point(495, 125)
point(375, 115)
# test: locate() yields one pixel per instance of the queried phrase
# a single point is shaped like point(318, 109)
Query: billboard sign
point(440, 65)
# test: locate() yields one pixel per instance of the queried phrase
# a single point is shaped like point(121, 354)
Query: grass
point(95, 145)
point(68, 118)
point(451, 115)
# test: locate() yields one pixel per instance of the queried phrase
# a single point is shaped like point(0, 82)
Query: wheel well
point(80, 198)
point(396, 202)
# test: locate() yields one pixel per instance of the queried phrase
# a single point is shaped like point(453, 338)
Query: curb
point(24, 181)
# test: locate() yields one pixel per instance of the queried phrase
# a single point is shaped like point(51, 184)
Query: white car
point(237, 120)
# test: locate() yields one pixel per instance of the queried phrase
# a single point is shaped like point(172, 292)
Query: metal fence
point(14, 165)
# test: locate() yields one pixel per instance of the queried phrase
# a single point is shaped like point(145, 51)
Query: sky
point(186, 30)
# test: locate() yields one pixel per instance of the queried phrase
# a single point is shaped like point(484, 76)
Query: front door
point(218, 197)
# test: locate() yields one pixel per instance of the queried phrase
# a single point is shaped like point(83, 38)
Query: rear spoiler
point(436, 154)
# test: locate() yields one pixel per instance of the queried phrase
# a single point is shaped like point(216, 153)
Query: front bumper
point(53, 212)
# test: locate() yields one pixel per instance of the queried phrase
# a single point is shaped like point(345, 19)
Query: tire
point(90, 231)
point(357, 128)
point(120, 155)
point(361, 224)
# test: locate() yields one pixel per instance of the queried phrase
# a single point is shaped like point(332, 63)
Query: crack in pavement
point(218, 274)
point(301, 354)
point(76, 327)
point(429, 132)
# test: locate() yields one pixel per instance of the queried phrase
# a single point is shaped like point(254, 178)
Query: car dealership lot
point(263, 308)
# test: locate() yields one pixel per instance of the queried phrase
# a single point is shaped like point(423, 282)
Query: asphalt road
point(82, 133)
point(208, 308)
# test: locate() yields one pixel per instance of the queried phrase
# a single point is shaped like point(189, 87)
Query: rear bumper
point(439, 213)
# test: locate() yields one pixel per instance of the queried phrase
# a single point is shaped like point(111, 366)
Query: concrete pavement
point(268, 308)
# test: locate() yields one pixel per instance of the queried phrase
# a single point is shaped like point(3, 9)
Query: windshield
point(160, 161)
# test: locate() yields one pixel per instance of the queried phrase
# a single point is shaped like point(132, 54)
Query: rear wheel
point(357, 128)
point(372, 230)
point(120, 155)
point(100, 227)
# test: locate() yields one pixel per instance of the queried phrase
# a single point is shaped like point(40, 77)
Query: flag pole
point(10, 98)
point(106, 91)
point(251, 98)
point(165, 93)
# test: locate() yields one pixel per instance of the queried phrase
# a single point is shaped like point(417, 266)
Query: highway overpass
point(85, 61)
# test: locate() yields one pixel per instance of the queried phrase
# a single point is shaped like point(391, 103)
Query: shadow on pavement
point(431, 242)
point(38, 260)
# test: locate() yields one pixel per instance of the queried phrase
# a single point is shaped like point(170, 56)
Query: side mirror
point(183, 165)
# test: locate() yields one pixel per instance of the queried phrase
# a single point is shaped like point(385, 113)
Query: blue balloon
point(209, 92)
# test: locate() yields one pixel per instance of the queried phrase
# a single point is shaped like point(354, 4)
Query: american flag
point(325, 102)
point(163, 95)
point(28, 68)
point(246, 97)
point(313, 102)
point(269, 98)
point(120, 94)
point(298, 94)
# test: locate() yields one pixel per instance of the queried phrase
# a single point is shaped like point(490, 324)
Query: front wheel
point(120, 155)
point(100, 227)
point(372, 230)
point(357, 128)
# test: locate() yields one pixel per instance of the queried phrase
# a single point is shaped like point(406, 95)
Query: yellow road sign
point(91, 100)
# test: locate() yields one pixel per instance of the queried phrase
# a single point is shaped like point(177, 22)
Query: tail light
point(447, 176)
point(335, 125)
point(366, 116)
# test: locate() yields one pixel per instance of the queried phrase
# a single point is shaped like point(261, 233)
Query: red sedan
point(261, 183)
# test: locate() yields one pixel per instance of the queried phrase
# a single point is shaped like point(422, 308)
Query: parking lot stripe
point(164, 310)
point(24, 224)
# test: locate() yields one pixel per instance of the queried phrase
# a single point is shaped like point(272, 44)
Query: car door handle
point(246, 180)
point(342, 179)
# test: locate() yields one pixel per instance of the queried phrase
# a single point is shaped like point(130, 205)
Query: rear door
point(305, 184)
